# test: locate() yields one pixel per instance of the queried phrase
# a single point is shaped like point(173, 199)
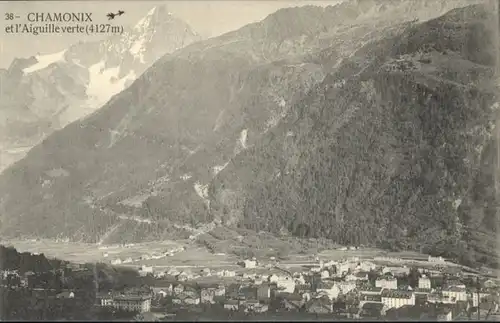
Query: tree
point(372, 276)
point(413, 277)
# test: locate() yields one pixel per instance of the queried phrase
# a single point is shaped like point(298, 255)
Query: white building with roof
point(388, 283)
point(249, 263)
point(424, 282)
point(397, 298)
point(455, 294)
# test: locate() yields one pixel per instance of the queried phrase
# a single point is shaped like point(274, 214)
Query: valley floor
point(186, 254)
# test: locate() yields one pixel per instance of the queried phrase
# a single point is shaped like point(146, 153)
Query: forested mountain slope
point(396, 148)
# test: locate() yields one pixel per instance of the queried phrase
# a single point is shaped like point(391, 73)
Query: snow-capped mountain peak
point(156, 13)
point(58, 88)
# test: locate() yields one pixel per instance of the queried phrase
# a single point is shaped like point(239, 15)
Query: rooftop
point(454, 289)
point(325, 285)
point(132, 298)
point(370, 289)
point(373, 306)
point(396, 294)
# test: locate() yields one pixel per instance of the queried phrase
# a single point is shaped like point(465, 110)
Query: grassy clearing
point(84, 252)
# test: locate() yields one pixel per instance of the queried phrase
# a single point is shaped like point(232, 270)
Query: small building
point(321, 305)
point(105, 299)
point(444, 314)
point(399, 271)
point(437, 297)
point(373, 310)
point(231, 305)
point(255, 306)
point(346, 286)
point(343, 268)
point(481, 298)
point(127, 260)
point(183, 276)
point(226, 273)
point(397, 298)
point(173, 272)
point(264, 292)
point(302, 288)
point(189, 300)
point(159, 274)
point(66, 295)
point(178, 289)
point(207, 296)
point(329, 289)
point(206, 272)
point(209, 293)
point(162, 289)
point(132, 303)
point(421, 295)
point(299, 279)
point(424, 282)
point(292, 302)
point(191, 291)
point(370, 290)
point(387, 283)
point(370, 293)
point(455, 293)
point(361, 276)
point(366, 266)
point(145, 270)
point(186, 299)
point(436, 260)
point(249, 263)
point(489, 283)
point(286, 284)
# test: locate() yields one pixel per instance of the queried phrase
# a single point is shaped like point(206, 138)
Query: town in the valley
point(386, 288)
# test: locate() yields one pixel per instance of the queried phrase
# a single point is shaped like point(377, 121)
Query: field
point(194, 256)
point(300, 253)
point(84, 252)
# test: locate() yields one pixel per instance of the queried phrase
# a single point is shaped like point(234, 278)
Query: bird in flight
point(112, 15)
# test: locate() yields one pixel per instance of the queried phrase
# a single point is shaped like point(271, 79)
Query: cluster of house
point(338, 287)
point(445, 303)
point(156, 255)
point(12, 278)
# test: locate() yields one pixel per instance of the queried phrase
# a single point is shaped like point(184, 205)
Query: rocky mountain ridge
point(44, 93)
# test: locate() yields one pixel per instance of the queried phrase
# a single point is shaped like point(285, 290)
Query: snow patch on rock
point(44, 61)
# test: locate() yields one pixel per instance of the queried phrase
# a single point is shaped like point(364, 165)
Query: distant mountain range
point(369, 122)
point(44, 93)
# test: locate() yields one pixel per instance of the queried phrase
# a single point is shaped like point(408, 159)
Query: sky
point(208, 18)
